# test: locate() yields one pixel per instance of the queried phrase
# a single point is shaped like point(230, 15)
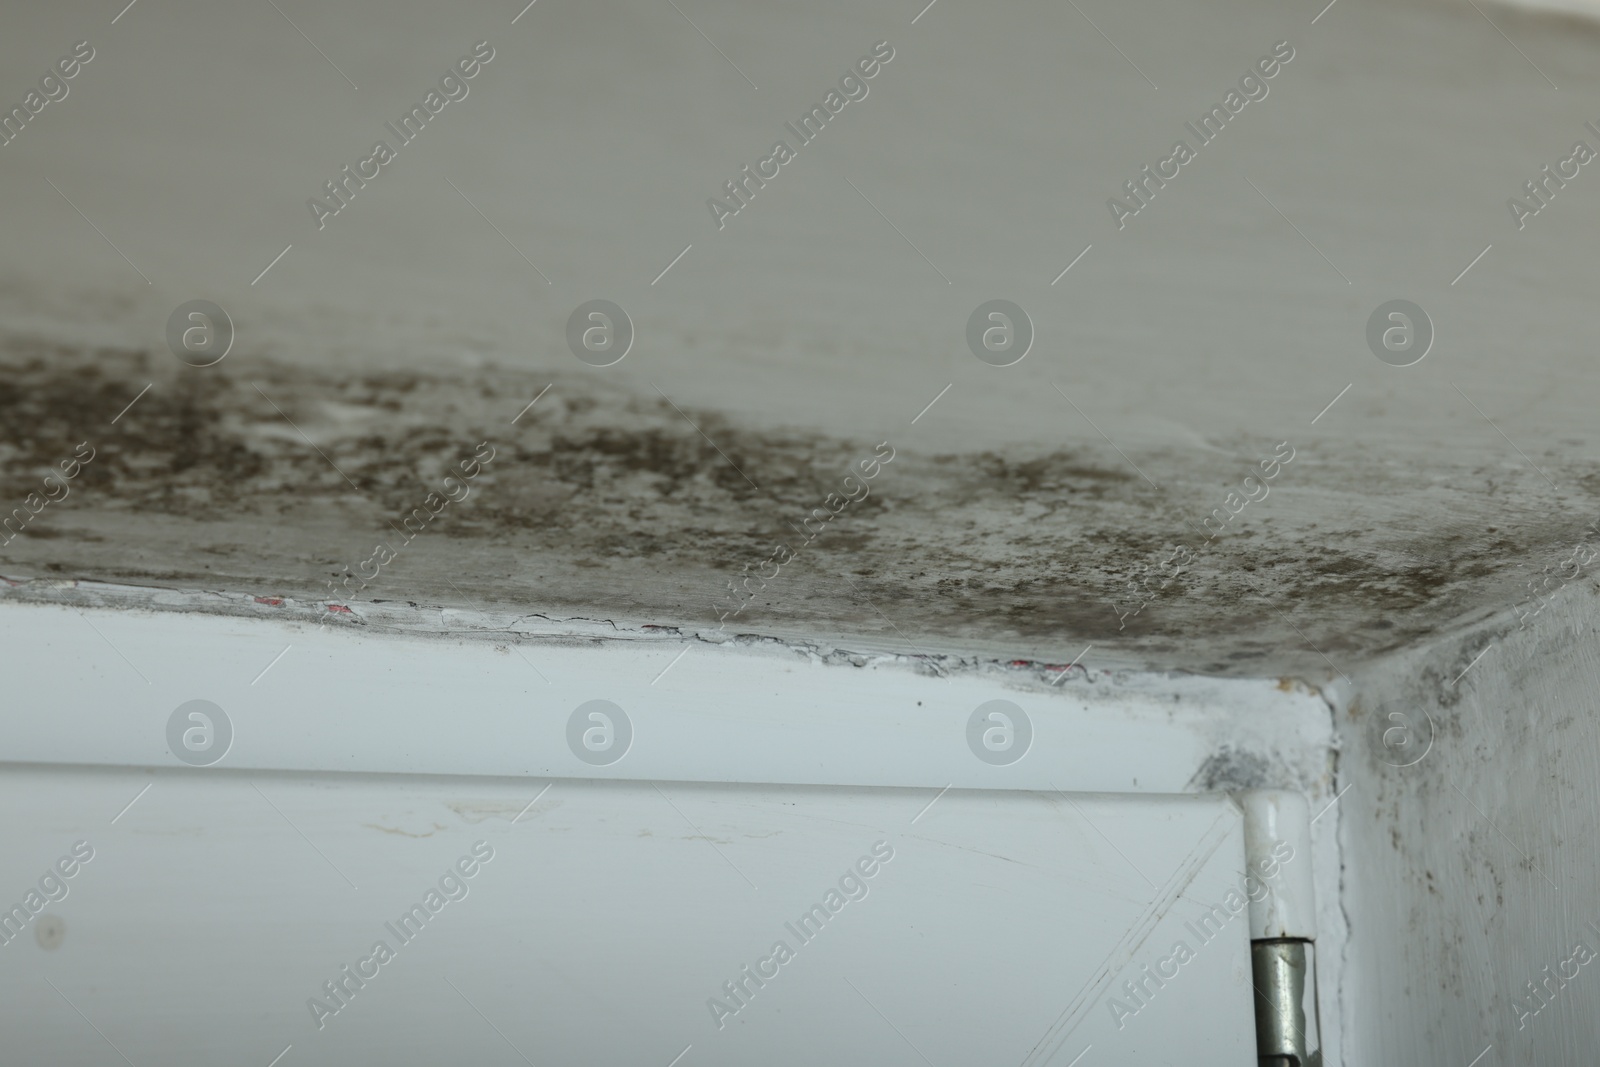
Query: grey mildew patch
point(50, 931)
point(1230, 770)
point(603, 504)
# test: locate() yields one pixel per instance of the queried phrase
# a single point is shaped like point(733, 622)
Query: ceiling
point(1224, 323)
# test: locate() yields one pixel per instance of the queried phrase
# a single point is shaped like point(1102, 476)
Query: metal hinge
point(1283, 930)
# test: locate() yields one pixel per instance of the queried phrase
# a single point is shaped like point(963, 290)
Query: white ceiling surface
point(1214, 324)
point(992, 141)
point(1581, 8)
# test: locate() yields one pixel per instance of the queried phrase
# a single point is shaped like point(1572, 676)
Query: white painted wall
point(1470, 860)
point(1019, 900)
point(609, 915)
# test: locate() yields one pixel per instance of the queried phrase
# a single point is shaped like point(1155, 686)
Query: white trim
point(478, 704)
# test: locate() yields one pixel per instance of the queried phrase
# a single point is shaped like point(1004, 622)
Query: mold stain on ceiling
point(605, 503)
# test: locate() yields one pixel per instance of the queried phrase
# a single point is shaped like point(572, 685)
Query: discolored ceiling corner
point(601, 502)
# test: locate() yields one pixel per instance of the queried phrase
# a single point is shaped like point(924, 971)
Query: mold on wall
point(1467, 833)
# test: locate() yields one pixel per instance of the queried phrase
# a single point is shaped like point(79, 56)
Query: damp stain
point(49, 931)
point(285, 479)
